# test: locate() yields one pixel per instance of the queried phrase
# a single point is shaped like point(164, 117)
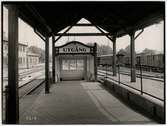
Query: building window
point(23, 60)
point(19, 48)
point(19, 60)
point(5, 47)
point(30, 59)
point(23, 49)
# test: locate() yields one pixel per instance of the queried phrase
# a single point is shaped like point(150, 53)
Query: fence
point(106, 73)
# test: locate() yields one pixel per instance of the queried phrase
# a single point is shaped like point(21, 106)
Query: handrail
point(143, 92)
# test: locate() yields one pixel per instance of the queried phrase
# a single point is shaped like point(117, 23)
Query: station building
point(25, 58)
point(33, 59)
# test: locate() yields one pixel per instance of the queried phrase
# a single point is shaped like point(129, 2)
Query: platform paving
point(78, 102)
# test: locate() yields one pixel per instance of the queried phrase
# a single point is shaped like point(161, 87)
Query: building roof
point(19, 43)
point(107, 55)
point(114, 17)
point(33, 54)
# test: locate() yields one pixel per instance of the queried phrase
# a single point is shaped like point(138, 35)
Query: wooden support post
point(13, 100)
point(47, 65)
point(95, 61)
point(133, 56)
point(53, 58)
point(114, 57)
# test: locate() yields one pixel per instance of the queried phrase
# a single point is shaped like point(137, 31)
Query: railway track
point(151, 77)
point(127, 70)
point(29, 81)
point(30, 87)
point(25, 74)
point(33, 87)
point(30, 69)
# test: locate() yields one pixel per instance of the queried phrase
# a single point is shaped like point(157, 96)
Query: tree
point(122, 51)
point(127, 50)
point(102, 49)
point(147, 51)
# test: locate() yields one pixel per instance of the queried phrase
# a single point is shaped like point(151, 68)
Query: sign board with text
point(74, 47)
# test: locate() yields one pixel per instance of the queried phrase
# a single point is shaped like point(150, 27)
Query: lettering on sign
point(74, 48)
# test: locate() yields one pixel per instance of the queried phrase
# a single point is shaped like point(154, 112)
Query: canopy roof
point(115, 17)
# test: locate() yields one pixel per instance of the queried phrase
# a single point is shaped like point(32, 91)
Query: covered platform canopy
point(114, 17)
point(48, 18)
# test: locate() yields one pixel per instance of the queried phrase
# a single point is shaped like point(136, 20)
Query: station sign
point(74, 47)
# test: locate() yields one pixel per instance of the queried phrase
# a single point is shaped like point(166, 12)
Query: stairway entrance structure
point(48, 18)
point(75, 61)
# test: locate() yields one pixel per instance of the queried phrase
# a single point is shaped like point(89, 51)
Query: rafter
point(82, 34)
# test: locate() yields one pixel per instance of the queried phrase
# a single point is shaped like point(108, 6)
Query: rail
point(150, 77)
point(105, 75)
point(148, 68)
point(126, 71)
point(144, 67)
point(22, 93)
point(31, 86)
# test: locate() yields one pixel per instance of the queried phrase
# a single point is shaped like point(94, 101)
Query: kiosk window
point(65, 64)
point(72, 64)
point(80, 65)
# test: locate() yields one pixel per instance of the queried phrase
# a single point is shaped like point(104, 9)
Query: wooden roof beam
point(150, 19)
point(40, 19)
point(85, 25)
point(82, 34)
point(108, 36)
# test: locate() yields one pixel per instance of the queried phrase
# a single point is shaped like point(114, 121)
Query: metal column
point(47, 65)
point(13, 100)
point(53, 59)
point(114, 57)
point(133, 56)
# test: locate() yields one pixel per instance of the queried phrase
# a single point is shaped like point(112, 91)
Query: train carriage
point(105, 60)
point(153, 63)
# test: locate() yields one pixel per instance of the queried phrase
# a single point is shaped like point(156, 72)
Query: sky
point(151, 38)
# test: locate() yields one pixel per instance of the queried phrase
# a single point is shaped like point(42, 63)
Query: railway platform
point(78, 102)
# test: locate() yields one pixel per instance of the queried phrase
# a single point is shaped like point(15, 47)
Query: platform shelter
point(75, 61)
